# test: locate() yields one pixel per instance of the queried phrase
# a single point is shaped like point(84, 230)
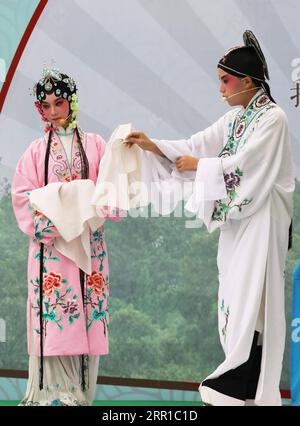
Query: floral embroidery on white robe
point(247, 171)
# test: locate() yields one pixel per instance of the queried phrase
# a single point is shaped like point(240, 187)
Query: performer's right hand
point(143, 142)
point(140, 139)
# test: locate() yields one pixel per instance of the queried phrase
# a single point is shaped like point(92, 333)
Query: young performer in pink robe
point(63, 367)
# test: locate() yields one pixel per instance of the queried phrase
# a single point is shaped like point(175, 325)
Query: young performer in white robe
point(245, 163)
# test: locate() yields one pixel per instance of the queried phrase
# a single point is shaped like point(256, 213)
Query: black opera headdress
point(247, 60)
point(53, 81)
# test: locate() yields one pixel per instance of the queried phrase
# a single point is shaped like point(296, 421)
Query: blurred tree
point(163, 304)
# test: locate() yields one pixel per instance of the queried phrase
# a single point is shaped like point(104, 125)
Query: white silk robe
point(247, 174)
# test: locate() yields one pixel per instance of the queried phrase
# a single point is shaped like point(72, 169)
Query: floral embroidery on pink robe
point(70, 327)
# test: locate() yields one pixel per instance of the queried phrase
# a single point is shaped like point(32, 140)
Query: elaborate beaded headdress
point(53, 81)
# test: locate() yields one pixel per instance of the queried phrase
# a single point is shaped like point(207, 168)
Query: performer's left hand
point(186, 163)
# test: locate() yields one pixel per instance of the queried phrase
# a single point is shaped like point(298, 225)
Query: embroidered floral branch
point(232, 181)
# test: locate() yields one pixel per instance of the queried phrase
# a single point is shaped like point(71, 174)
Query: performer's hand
point(140, 139)
point(186, 163)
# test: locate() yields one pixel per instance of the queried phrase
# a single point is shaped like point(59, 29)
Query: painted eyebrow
point(56, 100)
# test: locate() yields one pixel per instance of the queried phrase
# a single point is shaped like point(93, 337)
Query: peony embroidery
point(96, 299)
point(222, 209)
point(96, 282)
point(231, 180)
point(55, 301)
point(51, 282)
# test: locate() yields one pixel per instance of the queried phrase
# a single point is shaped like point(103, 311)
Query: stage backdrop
point(152, 63)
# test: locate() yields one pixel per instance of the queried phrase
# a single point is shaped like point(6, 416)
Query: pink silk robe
point(69, 328)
